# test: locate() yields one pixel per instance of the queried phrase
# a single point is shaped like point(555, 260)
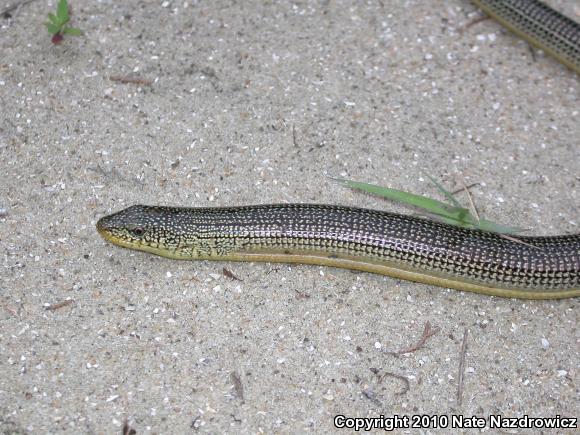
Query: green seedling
point(57, 25)
point(451, 213)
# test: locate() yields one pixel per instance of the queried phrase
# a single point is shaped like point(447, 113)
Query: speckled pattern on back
point(414, 243)
point(540, 25)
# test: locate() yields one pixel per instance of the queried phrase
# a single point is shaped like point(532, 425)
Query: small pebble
point(328, 396)
point(545, 343)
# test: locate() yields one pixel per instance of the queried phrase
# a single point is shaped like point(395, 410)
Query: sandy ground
point(259, 102)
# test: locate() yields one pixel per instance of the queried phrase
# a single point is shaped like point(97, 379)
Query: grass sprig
point(57, 24)
point(452, 213)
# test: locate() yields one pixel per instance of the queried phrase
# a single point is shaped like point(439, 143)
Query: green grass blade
point(451, 214)
point(52, 29)
point(494, 227)
point(450, 221)
point(444, 191)
point(62, 11)
point(53, 19)
point(428, 204)
point(72, 31)
point(482, 224)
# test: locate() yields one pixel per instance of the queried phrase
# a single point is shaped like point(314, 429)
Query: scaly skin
point(540, 25)
point(370, 240)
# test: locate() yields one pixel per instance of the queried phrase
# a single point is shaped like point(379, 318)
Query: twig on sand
point(132, 80)
point(238, 386)
point(427, 332)
point(473, 23)
point(58, 305)
point(228, 273)
point(461, 368)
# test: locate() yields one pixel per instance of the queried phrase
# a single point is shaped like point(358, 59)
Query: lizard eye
point(137, 232)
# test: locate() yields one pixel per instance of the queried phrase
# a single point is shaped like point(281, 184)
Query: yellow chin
point(110, 237)
point(118, 241)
